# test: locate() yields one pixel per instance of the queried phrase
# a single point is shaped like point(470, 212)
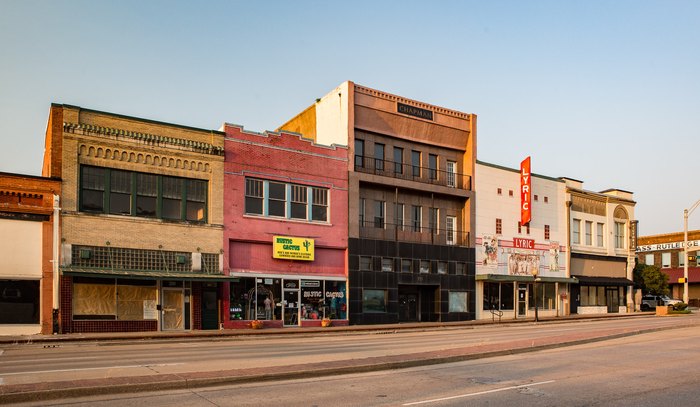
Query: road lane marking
point(89, 368)
point(477, 393)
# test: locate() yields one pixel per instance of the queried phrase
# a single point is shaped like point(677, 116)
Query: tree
point(651, 280)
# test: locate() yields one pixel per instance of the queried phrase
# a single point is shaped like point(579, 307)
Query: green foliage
point(680, 306)
point(652, 280)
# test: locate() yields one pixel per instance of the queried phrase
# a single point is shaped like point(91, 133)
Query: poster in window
point(490, 247)
point(149, 309)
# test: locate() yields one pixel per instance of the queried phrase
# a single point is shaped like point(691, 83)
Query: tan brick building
point(666, 252)
point(141, 221)
point(26, 272)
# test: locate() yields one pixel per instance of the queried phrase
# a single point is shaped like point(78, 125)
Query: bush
point(680, 306)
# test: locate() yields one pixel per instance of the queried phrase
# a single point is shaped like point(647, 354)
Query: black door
point(210, 309)
point(408, 309)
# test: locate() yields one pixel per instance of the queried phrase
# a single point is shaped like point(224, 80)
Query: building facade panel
point(27, 278)
point(142, 222)
point(511, 255)
point(286, 216)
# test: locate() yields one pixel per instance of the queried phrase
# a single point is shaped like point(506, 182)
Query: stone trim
point(155, 160)
point(389, 96)
point(151, 139)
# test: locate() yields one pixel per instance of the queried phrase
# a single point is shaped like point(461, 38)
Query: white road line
point(478, 393)
point(89, 368)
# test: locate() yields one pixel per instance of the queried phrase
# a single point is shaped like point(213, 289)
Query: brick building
point(285, 230)
point(141, 222)
point(411, 212)
point(28, 206)
point(666, 252)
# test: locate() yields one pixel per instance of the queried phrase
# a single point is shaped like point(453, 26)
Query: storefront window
point(110, 299)
point(498, 296)
point(373, 301)
point(336, 300)
point(458, 301)
point(19, 301)
point(255, 298)
point(312, 300)
point(546, 296)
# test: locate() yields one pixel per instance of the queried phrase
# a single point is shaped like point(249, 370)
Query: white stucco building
point(508, 253)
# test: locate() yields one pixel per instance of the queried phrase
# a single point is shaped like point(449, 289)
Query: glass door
point(173, 309)
point(522, 300)
point(291, 307)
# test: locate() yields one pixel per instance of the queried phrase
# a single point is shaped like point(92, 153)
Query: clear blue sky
point(606, 92)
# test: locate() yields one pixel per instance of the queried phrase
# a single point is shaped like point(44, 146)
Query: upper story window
point(415, 162)
point(589, 233)
point(119, 192)
point(499, 226)
point(451, 169)
point(665, 260)
point(546, 232)
point(619, 235)
point(359, 153)
point(432, 166)
point(576, 231)
point(649, 259)
point(285, 200)
point(379, 156)
point(599, 235)
point(499, 191)
point(379, 218)
point(681, 259)
point(398, 160)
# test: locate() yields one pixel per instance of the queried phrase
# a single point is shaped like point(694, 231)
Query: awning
point(143, 274)
point(585, 280)
point(524, 279)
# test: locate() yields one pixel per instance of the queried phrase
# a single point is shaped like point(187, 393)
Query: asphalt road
point(22, 364)
point(650, 369)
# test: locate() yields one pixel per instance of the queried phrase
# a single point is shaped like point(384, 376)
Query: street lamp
point(534, 276)
point(686, 212)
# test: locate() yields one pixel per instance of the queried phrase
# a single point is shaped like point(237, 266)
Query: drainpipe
point(56, 244)
point(568, 257)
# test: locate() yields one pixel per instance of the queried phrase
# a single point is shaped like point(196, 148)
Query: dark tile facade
point(432, 286)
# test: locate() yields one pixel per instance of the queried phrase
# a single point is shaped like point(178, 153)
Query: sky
point(606, 92)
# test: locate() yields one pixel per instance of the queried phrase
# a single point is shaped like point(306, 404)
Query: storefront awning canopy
point(524, 279)
point(585, 280)
point(142, 274)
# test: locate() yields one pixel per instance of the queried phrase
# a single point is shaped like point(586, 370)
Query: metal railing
point(410, 172)
point(408, 232)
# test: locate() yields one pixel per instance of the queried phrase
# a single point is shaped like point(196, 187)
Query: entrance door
point(408, 308)
point(522, 300)
point(291, 307)
point(173, 309)
point(210, 309)
point(612, 299)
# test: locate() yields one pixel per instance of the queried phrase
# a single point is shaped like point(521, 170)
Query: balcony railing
point(410, 172)
point(408, 232)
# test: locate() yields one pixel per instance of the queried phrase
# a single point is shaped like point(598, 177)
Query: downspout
point(568, 256)
point(56, 243)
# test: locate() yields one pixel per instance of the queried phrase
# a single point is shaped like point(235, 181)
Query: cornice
point(396, 98)
point(152, 139)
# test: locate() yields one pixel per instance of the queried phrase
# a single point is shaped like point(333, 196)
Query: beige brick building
point(141, 221)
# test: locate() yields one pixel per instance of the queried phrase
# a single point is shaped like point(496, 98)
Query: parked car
point(650, 302)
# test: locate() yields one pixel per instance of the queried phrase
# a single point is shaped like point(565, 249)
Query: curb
point(193, 380)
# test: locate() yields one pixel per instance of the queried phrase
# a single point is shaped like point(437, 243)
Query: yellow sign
point(292, 248)
point(681, 280)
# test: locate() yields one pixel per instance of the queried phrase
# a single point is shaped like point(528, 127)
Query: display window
point(255, 298)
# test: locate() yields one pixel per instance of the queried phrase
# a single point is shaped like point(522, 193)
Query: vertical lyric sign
point(525, 192)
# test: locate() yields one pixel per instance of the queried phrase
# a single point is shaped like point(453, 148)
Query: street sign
point(681, 280)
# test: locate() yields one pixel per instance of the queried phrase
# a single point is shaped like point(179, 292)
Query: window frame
point(179, 195)
point(313, 199)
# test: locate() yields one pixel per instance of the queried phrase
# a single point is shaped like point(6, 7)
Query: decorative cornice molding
point(134, 157)
point(152, 139)
point(396, 98)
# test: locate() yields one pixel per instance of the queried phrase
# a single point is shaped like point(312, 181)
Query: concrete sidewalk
point(224, 333)
point(77, 388)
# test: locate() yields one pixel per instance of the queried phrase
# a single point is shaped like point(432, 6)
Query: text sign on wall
point(668, 246)
point(525, 192)
point(292, 248)
point(519, 243)
point(414, 111)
